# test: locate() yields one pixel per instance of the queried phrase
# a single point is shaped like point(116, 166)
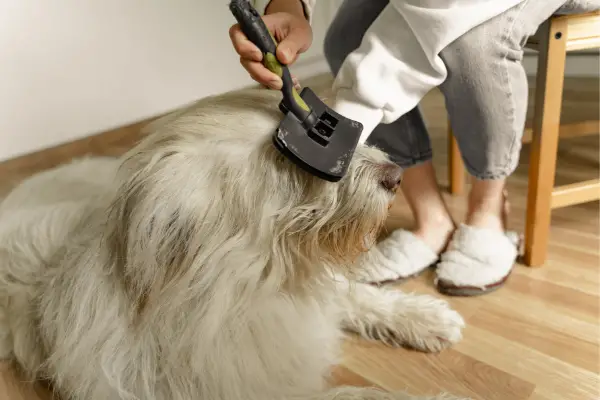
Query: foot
point(480, 255)
point(437, 233)
point(485, 219)
point(405, 254)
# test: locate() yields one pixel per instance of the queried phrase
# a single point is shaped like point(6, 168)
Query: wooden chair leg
point(456, 168)
point(546, 123)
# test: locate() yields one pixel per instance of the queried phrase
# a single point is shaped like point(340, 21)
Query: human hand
point(294, 36)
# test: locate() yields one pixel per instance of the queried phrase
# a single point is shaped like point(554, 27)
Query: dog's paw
point(431, 324)
point(420, 322)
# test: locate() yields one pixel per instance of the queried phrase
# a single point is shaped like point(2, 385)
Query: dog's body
point(202, 265)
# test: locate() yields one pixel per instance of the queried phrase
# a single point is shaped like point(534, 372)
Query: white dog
point(203, 265)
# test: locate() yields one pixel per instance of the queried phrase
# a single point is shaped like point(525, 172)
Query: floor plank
point(429, 374)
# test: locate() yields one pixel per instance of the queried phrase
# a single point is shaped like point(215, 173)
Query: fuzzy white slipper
point(476, 261)
point(399, 256)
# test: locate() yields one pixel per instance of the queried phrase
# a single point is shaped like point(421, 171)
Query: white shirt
point(398, 61)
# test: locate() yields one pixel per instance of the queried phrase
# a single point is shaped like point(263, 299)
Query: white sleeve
point(398, 60)
point(309, 6)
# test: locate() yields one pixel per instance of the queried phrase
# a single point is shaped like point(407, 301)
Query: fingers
point(251, 57)
point(294, 36)
point(260, 74)
point(285, 55)
point(297, 85)
point(244, 47)
point(296, 42)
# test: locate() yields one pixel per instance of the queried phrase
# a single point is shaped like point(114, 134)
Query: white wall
point(70, 68)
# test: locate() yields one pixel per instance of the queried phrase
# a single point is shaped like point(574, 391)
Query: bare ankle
point(485, 220)
point(490, 215)
point(488, 206)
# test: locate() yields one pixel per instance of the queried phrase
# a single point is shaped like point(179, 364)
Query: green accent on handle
point(299, 100)
point(272, 64)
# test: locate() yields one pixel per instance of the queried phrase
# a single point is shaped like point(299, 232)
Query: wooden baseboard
point(111, 143)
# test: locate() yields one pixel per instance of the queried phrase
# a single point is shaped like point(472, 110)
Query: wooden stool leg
point(546, 122)
point(456, 168)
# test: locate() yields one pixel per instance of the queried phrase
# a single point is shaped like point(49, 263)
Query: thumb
point(289, 48)
point(293, 34)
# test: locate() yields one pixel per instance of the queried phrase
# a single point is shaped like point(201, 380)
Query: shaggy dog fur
point(201, 265)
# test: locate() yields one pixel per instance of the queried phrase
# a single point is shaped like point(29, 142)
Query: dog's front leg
point(384, 314)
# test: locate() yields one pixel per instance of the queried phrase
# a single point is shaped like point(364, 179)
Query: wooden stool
point(557, 36)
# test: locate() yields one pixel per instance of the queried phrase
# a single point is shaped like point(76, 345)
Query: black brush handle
point(257, 32)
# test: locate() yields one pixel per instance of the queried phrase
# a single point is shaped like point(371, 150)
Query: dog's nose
point(392, 176)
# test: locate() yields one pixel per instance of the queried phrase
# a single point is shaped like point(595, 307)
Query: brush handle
point(257, 32)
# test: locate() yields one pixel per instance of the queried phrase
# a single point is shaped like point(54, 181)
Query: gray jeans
point(485, 92)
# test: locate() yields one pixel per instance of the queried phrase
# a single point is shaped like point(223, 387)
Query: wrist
point(294, 7)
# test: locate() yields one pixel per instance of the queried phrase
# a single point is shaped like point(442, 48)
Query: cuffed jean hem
point(405, 163)
point(494, 174)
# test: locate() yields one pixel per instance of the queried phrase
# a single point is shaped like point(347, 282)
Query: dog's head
point(207, 189)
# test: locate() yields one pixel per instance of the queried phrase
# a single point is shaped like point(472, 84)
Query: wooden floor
point(537, 338)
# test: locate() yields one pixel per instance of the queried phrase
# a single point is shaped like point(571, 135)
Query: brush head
point(323, 149)
point(311, 135)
